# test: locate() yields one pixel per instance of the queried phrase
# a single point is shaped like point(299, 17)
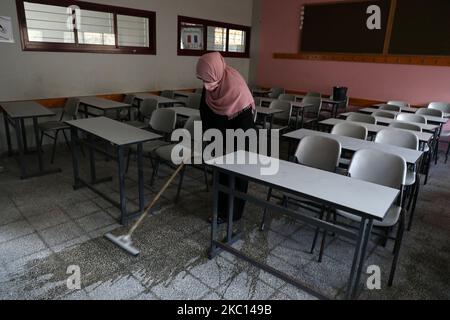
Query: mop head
point(124, 242)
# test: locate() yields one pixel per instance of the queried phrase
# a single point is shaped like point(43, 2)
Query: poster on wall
point(6, 32)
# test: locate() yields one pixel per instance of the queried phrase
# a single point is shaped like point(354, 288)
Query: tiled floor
point(45, 227)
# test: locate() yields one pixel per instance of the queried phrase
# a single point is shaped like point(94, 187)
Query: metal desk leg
point(213, 250)
point(38, 145)
point(140, 164)
point(8, 134)
point(356, 257)
point(24, 135)
point(232, 187)
point(123, 198)
point(363, 257)
point(76, 169)
point(92, 160)
point(23, 172)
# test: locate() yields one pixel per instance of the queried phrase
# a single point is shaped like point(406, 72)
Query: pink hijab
point(227, 92)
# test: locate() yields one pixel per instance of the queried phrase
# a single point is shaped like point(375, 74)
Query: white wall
point(34, 75)
point(38, 75)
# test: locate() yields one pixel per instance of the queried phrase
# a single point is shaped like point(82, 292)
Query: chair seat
point(390, 220)
point(410, 178)
point(53, 126)
point(137, 124)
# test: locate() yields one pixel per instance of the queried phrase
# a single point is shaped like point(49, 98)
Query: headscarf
point(227, 92)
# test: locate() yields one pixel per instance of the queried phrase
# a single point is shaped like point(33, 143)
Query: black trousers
point(244, 121)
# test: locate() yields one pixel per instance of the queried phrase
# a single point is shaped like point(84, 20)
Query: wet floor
point(47, 227)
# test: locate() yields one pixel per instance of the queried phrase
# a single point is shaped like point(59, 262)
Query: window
point(76, 26)
point(230, 40)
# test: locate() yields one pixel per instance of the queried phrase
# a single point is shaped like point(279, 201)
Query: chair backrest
point(430, 112)
point(379, 167)
point(286, 97)
point(194, 101)
point(405, 126)
point(443, 106)
point(190, 124)
point(199, 91)
point(402, 104)
point(314, 94)
point(282, 105)
point(319, 152)
point(399, 138)
point(129, 99)
point(316, 101)
point(364, 118)
point(257, 101)
point(148, 106)
point(163, 120)
point(167, 94)
point(352, 130)
point(390, 107)
point(384, 114)
point(409, 117)
point(71, 108)
point(276, 92)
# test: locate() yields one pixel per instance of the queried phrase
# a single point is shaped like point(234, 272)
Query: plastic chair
point(390, 107)
point(405, 126)
point(51, 129)
point(162, 122)
point(387, 170)
point(401, 104)
point(430, 112)
point(276, 92)
point(317, 152)
point(148, 106)
point(282, 120)
point(384, 114)
point(409, 117)
point(363, 118)
point(169, 94)
point(286, 97)
point(352, 130)
point(312, 115)
point(442, 106)
point(194, 101)
point(164, 154)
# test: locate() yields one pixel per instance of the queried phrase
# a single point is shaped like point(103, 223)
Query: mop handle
point(147, 211)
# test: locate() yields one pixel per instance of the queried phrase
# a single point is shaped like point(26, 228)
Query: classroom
point(241, 150)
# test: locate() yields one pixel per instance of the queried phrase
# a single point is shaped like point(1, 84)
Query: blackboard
point(421, 27)
point(342, 27)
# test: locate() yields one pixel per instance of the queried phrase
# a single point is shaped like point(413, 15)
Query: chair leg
point(263, 223)
point(324, 238)
point(414, 203)
point(128, 161)
point(67, 140)
point(205, 170)
point(177, 198)
point(155, 171)
point(398, 243)
point(316, 235)
point(54, 147)
point(427, 168)
point(448, 151)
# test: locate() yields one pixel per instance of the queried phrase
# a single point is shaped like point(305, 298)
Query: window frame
point(210, 23)
point(88, 48)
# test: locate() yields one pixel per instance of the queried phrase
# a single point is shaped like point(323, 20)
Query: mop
point(125, 242)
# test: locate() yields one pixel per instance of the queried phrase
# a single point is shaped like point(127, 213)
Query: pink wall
point(280, 33)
